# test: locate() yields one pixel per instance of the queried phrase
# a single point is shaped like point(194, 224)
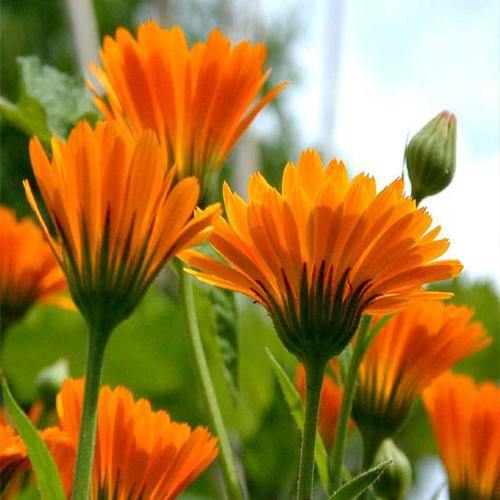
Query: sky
point(399, 63)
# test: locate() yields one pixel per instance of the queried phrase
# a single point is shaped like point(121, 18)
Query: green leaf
point(47, 475)
point(50, 102)
point(226, 323)
point(360, 483)
point(296, 406)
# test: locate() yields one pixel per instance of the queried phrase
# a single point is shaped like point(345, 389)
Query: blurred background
point(364, 76)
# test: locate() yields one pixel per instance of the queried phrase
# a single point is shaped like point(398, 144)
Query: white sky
point(401, 63)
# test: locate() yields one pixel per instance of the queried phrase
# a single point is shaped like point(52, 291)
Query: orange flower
point(28, 271)
point(197, 100)
point(331, 400)
point(14, 457)
point(465, 417)
point(413, 348)
point(139, 453)
point(117, 213)
point(323, 251)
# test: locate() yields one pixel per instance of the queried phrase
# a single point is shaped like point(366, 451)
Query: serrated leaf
point(296, 406)
point(50, 102)
point(360, 483)
point(226, 323)
point(44, 467)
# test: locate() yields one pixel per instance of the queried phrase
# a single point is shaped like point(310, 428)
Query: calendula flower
point(29, 273)
point(198, 100)
point(413, 348)
point(323, 251)
point(329, 407)
point(465, 417)
point(14, 457)
point(140, 453)
point(118, 215)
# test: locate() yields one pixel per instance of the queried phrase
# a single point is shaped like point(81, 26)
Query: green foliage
point(360, 483)
point(296, 407)
point(50, 102)
point(44, 467)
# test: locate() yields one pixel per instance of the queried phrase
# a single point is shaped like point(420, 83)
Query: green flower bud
point(431, 156)
point(396, 479)
point(49, 381)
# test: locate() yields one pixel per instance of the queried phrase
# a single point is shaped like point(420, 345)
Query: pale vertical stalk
point(210, 398)
point(85, 32)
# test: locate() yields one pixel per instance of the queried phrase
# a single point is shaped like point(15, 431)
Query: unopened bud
point(49, 381)
point(396, 478)
point(431, 156)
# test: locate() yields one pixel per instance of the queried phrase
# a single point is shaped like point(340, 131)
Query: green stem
point(371, 444)
point(83, 471)
point(314, 381)
point(346, 407)
point(210, 399)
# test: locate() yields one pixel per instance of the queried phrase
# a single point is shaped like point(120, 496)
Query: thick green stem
point(210, 399)
point(314, 381)
point(346, 407)
point(83, 471)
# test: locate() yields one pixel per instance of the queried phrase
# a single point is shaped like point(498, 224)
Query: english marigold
point(29, 273)
point(197, 100)
point(323, 251)
point(331, 400)
point(118, 215)
point(139, 454)
point(14, 457)
point(465, 417)
point(413, 348)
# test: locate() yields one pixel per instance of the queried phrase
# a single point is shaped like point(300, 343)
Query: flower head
point(140, 453)
point(323, 251)
point(197, 100)
point(118, 215)
point(331, 400)
point(29, 272)
point(414, 347)
point(465, 417)
point(13, 456)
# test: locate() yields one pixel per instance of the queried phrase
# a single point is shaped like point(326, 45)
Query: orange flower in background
point(414, 347)
point(29, 273)
point(197, 100)
point(140, 453)
point(331, 400)
point(465, 417)
point(323, 251)
point(14, 457)
point(118, 215)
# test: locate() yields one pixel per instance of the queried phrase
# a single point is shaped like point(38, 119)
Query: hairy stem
point(314, 381)
point(346, 407)
point(210, 399)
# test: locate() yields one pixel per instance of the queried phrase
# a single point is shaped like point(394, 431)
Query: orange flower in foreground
point(465, 417)
point(197, 100)
point(139, 453)
point(323, 251)
point(118, 215)
point(29, 272)
point(413, 348)
point(331, 400)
